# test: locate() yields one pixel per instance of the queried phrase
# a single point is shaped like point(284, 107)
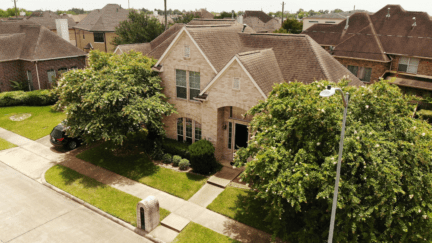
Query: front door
point(241, 136)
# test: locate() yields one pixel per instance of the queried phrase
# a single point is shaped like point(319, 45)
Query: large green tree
point(115, 96)
point(138, 28)
point(291, 26)
point(385, 190)
point(186, 18)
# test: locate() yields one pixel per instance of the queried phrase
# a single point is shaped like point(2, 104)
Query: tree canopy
point(116, 95)
point(10, 12)
point(225, 15)
point(291, 26)
point(186, 18)
point(385, 184)
point(138, 28)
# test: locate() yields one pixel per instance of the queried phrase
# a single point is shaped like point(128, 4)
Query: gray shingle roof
point(47, 19)
point(25, 40)
point(104, 20)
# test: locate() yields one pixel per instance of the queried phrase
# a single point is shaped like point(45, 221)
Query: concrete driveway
point(31, 212)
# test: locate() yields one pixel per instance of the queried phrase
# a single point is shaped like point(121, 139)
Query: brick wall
point(211, 114)
point(424, 68)
point(17, 71)
point(85, 37)
point(378, 68)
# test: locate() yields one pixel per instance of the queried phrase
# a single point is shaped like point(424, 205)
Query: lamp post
point(327, 93)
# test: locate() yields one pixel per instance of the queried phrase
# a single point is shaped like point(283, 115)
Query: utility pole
point(128, 4)
point(166, 18)
point(16, 13)
point(283, 4)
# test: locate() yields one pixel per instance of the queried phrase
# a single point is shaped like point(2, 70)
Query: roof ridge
point(317, 57)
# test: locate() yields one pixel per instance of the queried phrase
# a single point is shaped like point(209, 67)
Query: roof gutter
point(406, 55)
point(365, 59)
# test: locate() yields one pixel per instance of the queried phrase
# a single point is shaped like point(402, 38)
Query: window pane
point(194, 93)
point(181, 78)
point(367, 74)
point(51, 75)
point(181, 92)
point(412, 69)
point(236, 83)
point(229, 134)
point(197, 131)
point(402, 67)
point(353, 69)
point(403, 60)
point(360, 73)
point(194, 80)
point(414, 61)
point(188, 128)
point(98, 37)
point(186, 51)
point(180, 129)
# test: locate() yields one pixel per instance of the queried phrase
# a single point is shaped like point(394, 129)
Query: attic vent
point(414, 24)
point(346, 26)
point(388, 13)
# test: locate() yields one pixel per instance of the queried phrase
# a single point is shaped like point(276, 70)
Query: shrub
point(184, 164)
point(425, 115)
point(175, 147)
point(31, 98)
point(167, 158)
point(202, 156)
point(176, 160)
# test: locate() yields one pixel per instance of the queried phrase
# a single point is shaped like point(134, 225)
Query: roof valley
point(378, 41)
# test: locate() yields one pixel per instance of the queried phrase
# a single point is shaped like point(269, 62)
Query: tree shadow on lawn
point(69, 177)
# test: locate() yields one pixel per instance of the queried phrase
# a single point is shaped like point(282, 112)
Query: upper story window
point(51, 75)
point(99, 37)
point(194, 84)
point(186, 51)
point(363, 73)
point(353, 69)
point(408, 64)
point(181, 84)
point(188, 130)
point(236, 83)
point(312, 21)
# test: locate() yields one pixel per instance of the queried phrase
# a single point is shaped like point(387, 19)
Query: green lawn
point(106, 198)
point(43, 119)
point(197, 234)
point(140, 168)
point(5, 144)
point(239, 204)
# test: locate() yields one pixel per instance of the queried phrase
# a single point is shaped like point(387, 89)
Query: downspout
point(37, 74)
point(76, 40)
point(105, 42)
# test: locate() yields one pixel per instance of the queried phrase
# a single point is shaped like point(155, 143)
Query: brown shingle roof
point(212, 21)
point(140, 47)
point(29, 41)
point(395, 34)
point(259, 14)
point(261, 66)
point(204, 14)
point(47, 19)
point(408, 80)
point(104, 20)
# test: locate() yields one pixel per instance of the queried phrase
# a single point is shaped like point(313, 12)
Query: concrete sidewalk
point(20, 158)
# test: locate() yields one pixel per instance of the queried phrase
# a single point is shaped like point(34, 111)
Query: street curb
point(97, 210)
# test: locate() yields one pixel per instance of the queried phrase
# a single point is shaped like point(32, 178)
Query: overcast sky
point(222, 5)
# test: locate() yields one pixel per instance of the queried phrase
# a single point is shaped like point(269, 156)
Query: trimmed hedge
point(167, 158)
point(172, 146)
point(203, 160)
point(31, 98)
point(425, 115)
point(184, 164)
point(176, 160)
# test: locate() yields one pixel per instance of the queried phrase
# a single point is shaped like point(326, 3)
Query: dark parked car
point(59, 138)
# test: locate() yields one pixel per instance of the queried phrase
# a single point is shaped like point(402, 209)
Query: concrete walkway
point(23, 159)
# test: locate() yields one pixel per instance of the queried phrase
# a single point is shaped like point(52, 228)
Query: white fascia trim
point(235, 58)
point(175, 41)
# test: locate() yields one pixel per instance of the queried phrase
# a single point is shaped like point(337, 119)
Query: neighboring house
point(203, 13)
point(199, 21)
point(96, 31)
point(31, 52)
point(391, 42)
point(78, 18)
point(331, 18)
point(260, 21)
point(214, 74)
point(48, 19)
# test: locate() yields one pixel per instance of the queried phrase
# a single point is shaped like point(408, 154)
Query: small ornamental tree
point(116, 95)
point(385, 190)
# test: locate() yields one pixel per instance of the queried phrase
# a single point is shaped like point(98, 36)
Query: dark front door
point(241, 136)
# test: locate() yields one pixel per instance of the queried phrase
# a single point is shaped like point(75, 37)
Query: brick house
point(260, 21)
point(32, 53)
point(330, 18)
point(96, 31)
point(391, 43)
point(214, 74)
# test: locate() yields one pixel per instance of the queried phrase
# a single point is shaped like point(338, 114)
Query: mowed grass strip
point(106, 198)
point(5, 144)
point(240, 205)
point(140, 168)
point(200, 234)
point(43, 119)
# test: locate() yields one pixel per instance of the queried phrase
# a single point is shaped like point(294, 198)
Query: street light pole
point(326, 93)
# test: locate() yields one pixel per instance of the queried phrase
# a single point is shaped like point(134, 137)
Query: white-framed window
point(198, 131)
point(194, 84)
point(51, 75)
point(180, 129)
point(186, 51)
point(408, 64)
point(181, 84)
point(188, 130)
point(236, 83)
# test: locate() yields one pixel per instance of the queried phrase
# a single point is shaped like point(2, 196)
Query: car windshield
point(57, 132)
